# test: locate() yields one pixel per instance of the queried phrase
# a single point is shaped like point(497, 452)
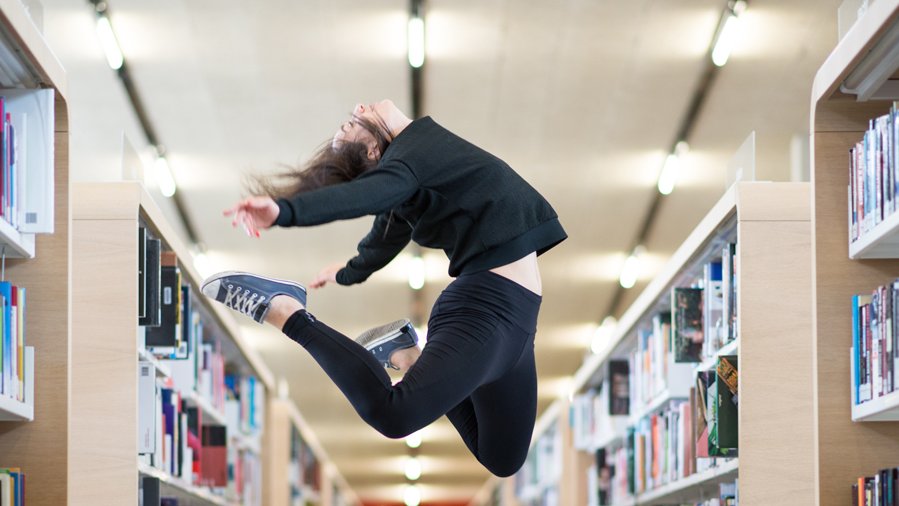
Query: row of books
point(704, 316)
point(877, 490)
point(875, 350)
point(304, 473)
point(13, 363)
point(873, 182)
point(26, 159)
point(538, 480)
point(12, 486)
point(180, 438)
point(681, 438)
point(599, 414)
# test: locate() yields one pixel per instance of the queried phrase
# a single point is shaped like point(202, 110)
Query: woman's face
point(354, 131)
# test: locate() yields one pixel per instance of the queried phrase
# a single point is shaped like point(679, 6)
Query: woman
point(425, 184)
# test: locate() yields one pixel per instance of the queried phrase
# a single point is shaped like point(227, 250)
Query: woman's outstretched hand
point(326, 275)
point(254, 214)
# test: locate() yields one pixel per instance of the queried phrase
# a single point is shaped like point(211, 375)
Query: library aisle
point(718, 327)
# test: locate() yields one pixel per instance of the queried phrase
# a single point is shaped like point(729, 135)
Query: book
point(214, 456)
point(141, 272)
point(168, 333)
point(152, 284)
point(32, 112)
point(619, 391)
point(151, 493)
point(146, 399)
point(686, 328)
point(713, 307)
point(728, 398)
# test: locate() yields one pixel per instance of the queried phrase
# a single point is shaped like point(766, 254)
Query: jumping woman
point(425, 184)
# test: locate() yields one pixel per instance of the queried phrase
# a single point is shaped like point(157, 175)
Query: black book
point(150, 491)
point(604, 478)
point(141, 272)
point(169, 501)
point(727, 379)
point(686, 324)
point(167, 333)
point(619, 387)
point(183, 351)
point(152, 292)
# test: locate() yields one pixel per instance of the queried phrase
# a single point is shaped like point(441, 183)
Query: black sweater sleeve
point(374, 192)
point(388, 236)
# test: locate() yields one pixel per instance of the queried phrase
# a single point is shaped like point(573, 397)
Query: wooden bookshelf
point(283, 418)
point(176, 487)
point(104, 395)
point(846, 450)
point(774, 343)
point(37, 438)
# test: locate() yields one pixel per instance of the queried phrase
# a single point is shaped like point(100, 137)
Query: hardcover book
point(728, 398)
point(686, 331)
point(153, 292)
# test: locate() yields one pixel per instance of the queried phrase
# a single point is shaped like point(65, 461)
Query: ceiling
point(581, 97)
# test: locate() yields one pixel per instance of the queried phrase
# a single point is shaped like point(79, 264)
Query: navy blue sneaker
point(384, 340)
point(250, 294)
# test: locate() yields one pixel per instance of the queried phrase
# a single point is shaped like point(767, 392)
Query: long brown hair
point(331, 164)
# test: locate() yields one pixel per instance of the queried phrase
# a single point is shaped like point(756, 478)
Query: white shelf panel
point(652, 406)
point(208, 409)
point(13, 410)
point(247, 442)
point(619, 431)
point(17, 245)
point(196, 495)
point(694, 487)
point(162, 370)
point(881, 409)
point(731, 348)
point(882, 241)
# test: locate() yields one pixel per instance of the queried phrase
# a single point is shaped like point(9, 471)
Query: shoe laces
point(243, 300)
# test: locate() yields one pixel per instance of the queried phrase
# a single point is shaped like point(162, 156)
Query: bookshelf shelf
point(17, 245)
point(283, 418)
point(193, 493)
point(703, 484)
point(162, 370)
point(208, 409)
point(846, 450)
point(41, 264)
point(105, 224)
point(653, 406)
point(881, 242)
point(881, 409)
point(774, 355)
point(731, 348)
point(13, 410)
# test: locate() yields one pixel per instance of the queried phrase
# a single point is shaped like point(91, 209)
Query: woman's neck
point(396, 122)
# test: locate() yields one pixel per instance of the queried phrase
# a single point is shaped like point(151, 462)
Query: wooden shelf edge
point(182, 485)
point(715, 475)
point(852, 49)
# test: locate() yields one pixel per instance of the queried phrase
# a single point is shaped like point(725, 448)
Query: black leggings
point(477, 368)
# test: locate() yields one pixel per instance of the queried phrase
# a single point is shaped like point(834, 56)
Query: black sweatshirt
point(440, 191)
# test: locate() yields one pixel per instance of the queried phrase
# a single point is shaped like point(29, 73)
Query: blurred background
point(587, 99)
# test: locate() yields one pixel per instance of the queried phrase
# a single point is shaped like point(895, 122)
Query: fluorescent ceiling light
point(630, 271)
point(413, 440)
point(602, 334)
point(416, 41)
point(411, 495)
point(417, 272)
point(164, 177)
point(109, 43)
point(668, 176)
point(413, 468)
point(727, 37)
